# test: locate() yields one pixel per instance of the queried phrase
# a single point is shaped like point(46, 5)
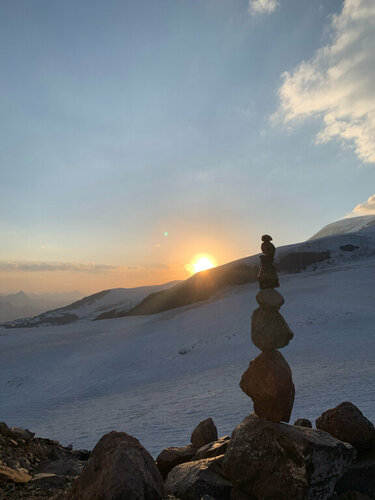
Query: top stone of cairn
point(267, 276)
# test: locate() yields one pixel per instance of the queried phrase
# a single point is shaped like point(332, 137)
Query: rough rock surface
point(269, 330)
point(172, 456)
point(360, 477)
point(214, 449)
point(347, 423)
point(204, 433)
point(192, 480)
point(119, 467)
point(303, 463)
point(303, 422)
point(268, 381)
point(269, 297)
point(34, 467)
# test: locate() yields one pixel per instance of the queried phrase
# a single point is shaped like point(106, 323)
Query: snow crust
point(156, 377)
point(348, 225)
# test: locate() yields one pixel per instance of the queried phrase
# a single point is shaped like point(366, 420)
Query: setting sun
point(201, 263)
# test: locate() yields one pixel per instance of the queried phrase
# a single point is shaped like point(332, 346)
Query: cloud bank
point(338, 83)
point(257, 7)
point(54, 266)
point(366, 208)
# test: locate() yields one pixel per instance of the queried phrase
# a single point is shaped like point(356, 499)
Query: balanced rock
point(270, 298)
point(267, 460)
point(303, 422)
point(214, 449)
point(347, 423)
point(268, 381)
point(267, 276)
point(172, 456)
point(119, 467)
point(193, 480)
point(204, 433)
point(269, 330)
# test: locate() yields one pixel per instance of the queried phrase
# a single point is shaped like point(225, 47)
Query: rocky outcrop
point(347, 423)
point(214, 449)
point(192, 480)
point(268, 381)
point(204, 433)
point(267, 460)
point(172, 456)
point(119, 467)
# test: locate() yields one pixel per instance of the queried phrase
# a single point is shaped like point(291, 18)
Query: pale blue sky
point(124, 119)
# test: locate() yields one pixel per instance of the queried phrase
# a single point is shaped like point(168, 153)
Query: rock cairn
point(268, 379)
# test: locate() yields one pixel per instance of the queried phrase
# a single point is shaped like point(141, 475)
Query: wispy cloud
point(257, 7)
point(366, 208)
point(54, 266)
point(338, 83)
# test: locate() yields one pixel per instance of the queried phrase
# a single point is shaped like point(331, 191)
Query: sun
point(201, 263)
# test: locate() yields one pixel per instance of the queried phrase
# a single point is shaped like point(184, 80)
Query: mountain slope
point(156, 376)
point(349, 225)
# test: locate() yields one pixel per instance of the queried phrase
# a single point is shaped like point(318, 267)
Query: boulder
point(347, 423)
point(359, 478)
point(172, 456)
point(204, 433)
point(268, 381)
point(214, 449)
point(14, 476)
point(267, 460)
point(269, 297)
point(119, 467)
point(192, 480)
point(269, 330)
point(303, 422)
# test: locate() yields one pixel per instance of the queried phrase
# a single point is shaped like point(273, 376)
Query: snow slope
point(349, 225)
point(157, 376)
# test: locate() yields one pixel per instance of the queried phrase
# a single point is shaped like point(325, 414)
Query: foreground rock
point(359, 478)
point(34, 467)
point(193, 480)
point(347, 423)
point(268, 381)
point(172, 456)
point(119, 467)
point(204, 433)
point(214, 449)
point(303, 463)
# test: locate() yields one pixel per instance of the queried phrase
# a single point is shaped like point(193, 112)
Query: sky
point(136, 135)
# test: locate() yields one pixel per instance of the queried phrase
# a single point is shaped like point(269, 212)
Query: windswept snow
point(348, 225)
point(156, 377)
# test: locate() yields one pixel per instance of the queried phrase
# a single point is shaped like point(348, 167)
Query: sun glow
point(200, 263)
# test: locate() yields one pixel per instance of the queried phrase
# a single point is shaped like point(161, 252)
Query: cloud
point(338, 83)
point(54, 266)
point(262, 6)
point(366, 208)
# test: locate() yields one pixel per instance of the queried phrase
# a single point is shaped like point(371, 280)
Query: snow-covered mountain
point(348, 225)
point(316, 253)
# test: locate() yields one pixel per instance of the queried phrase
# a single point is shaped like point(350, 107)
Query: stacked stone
point(268, 379)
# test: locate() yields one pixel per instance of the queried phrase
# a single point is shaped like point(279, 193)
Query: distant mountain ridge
point(343, 226)
point(315, 253)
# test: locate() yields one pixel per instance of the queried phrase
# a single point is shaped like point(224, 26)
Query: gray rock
point(213, 449)
point(204, 433)
point(269, 297)
point(193, 480)
point(347, 423)
point(359, 478)
point(267, 460)
point(119, 467)
point(303, 422)
point(269, 330)
point(172, 456)
point(268, 381)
